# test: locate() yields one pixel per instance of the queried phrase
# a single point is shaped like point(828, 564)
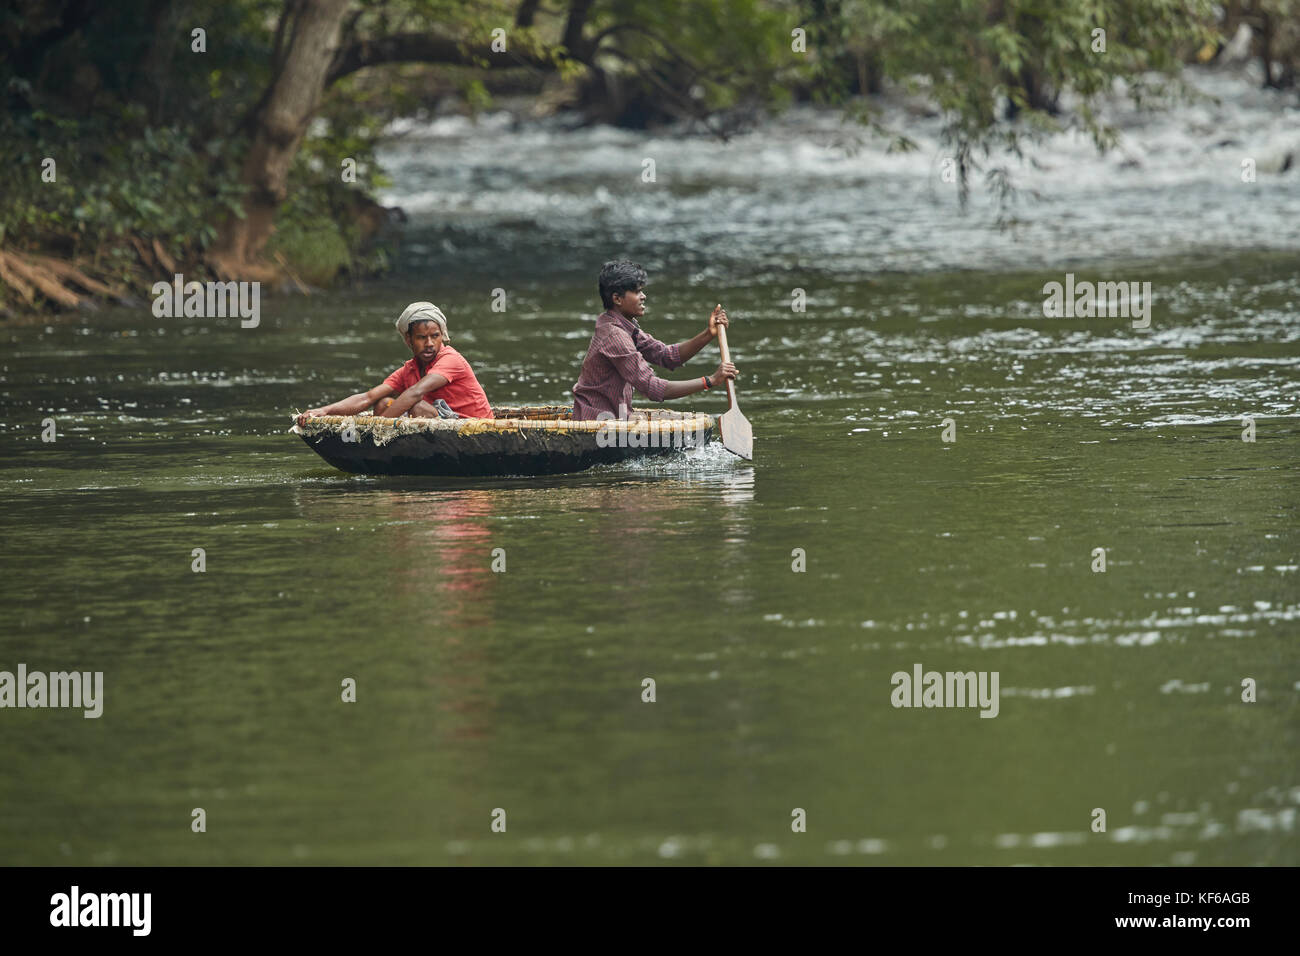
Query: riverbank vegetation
point(236, 138)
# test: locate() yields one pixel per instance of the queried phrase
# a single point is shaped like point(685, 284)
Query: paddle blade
point(737, 436)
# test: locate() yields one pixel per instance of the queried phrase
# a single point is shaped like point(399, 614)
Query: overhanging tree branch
point(415, 47)
point(424, 48)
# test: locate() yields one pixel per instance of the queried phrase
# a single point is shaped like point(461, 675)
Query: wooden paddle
point(737, 435)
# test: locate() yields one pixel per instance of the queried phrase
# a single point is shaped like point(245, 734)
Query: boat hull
point(537, 440)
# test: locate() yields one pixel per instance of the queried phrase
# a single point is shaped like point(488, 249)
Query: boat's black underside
point(488, 453)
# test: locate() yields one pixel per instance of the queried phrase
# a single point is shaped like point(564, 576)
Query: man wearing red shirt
point(435, 371)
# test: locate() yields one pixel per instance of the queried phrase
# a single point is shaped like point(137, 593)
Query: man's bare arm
point(404, 402)
point(692, 385)
point(688, 348)
point(353, 404)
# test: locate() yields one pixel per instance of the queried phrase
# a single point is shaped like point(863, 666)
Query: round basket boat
point(527, 440)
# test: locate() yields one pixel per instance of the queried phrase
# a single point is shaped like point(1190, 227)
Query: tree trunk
point(277, 131)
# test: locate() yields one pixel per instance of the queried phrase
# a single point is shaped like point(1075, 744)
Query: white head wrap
point(422, 312)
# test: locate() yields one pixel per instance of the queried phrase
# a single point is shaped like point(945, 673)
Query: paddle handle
point(726, 357)
point(722, 343)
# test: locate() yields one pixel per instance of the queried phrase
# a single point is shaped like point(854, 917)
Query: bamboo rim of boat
point(528, 418)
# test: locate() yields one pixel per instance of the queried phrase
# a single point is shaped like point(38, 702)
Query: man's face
point(631, 304)
point(425, 340)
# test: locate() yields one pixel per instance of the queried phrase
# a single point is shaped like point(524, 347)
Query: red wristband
point(707, 386)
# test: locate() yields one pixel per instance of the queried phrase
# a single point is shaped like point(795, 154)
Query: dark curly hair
point(619, 276)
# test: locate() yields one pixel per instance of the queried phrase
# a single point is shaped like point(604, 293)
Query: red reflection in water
point(446, 546)
point(444, 556)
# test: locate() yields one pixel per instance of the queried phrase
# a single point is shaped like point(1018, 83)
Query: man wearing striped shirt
point(621, 352)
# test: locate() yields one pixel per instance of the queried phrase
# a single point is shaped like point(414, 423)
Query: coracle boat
point(520, 440)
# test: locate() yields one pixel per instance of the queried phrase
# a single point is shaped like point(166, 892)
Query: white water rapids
point(807, 190)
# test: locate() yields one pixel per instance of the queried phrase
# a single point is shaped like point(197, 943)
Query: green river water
point(522, 690)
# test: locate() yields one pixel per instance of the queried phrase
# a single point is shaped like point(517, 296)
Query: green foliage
point(699, 59)
point(150, 136)
point(315, 250)
point(976, 59)
point(144, 132)
point(149, 139)
point(476, 95)
point(164, 183)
